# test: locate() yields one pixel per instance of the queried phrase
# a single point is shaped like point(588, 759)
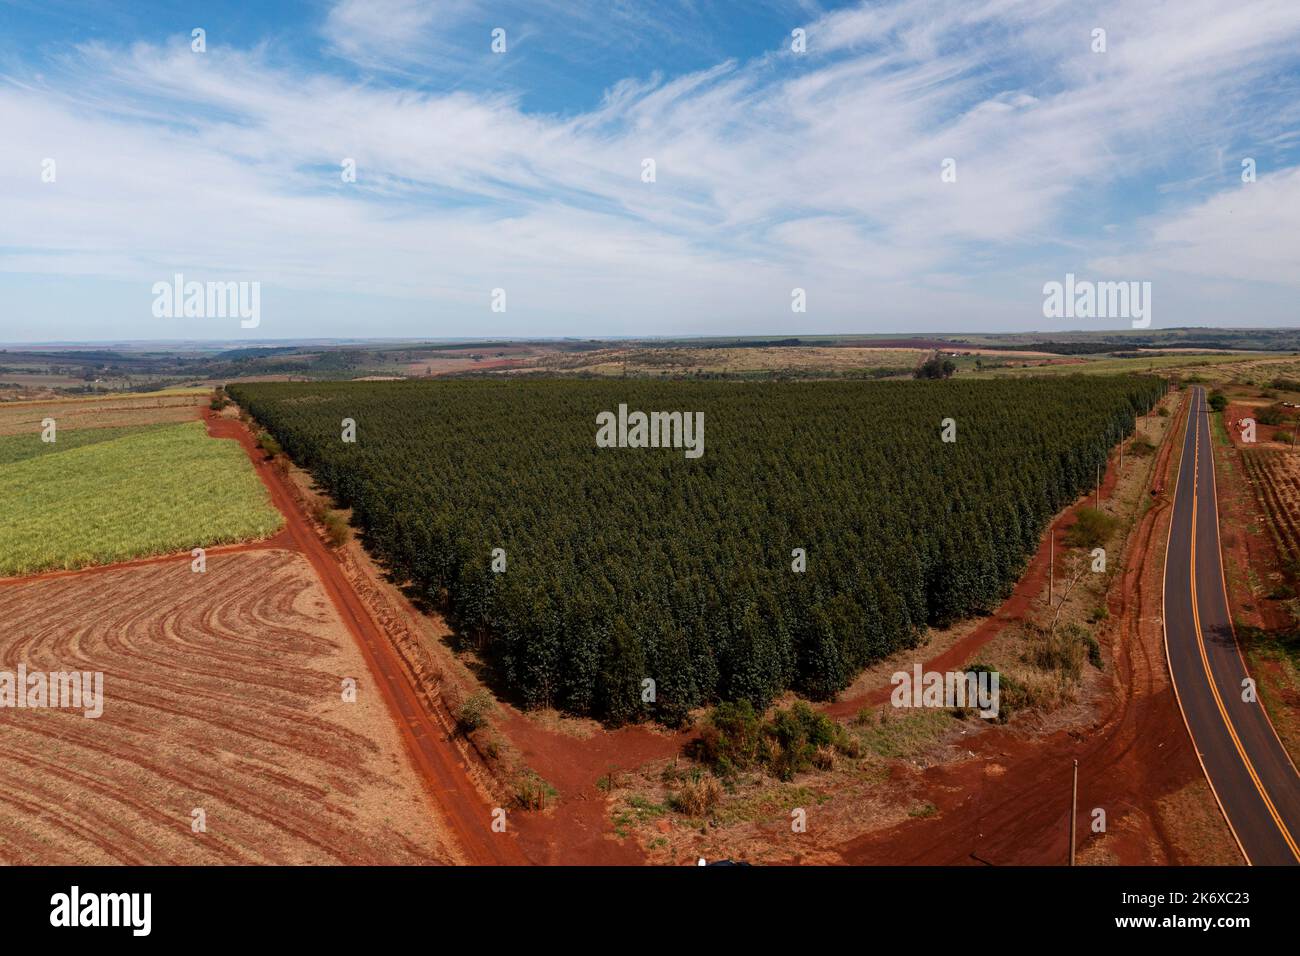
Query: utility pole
point(1099, 485)
point(1051, 563)
point(1074, 809)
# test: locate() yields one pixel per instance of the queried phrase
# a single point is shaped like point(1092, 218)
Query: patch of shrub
point(1011, 695)
point(697, 795)
point(1272, 415)
point(730, 738)
point(533, 793)
point(798, 734)
point(1094, 651)
point(1060, 651)
point(269, 445)
point(791, 742)
point(473, 712)
point(936, 366)
point(1092, 529)
point(337, 531)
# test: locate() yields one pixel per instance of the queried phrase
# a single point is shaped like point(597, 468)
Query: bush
point(935, 367)
point(798, 734)
point(730, 739)
point(1011, 694)
point(1162, 412)
point(1218, 401)
point(793, 741)
point(1140, 447)
point(337, 531)
point(698, 795)
point(1272, 415)
point(473, 713)
point(533, 793)
point(1061, 651)
point(268, 444)
point(1094, 651)
point(1092, 529)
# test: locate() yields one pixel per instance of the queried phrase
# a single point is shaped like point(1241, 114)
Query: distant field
point(1253, 369)
point(668, 362)
point(1187, 364)
point(173, 405)
point(145, 491)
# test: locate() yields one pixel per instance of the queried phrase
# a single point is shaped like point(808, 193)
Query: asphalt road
point(1255, 782)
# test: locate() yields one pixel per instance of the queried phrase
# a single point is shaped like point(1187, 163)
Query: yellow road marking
point(1164, 627)
point(1205, 663)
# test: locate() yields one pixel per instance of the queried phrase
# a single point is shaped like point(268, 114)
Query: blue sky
point(523, 170)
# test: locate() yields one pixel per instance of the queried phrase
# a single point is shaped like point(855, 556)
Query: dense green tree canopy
point(628, 564)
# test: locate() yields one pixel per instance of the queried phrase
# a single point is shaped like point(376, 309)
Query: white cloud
point(389, 33)
point(822, 172)
point(1247, 233)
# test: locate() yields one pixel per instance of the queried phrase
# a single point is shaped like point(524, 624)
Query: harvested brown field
point(143, 409)
point(222, 692)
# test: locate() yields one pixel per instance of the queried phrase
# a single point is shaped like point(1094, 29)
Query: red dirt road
point(465, 810)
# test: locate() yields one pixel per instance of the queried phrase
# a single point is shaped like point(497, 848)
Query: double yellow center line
point(1205, 661)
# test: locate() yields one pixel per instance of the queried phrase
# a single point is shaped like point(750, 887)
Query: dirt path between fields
point(466, 811)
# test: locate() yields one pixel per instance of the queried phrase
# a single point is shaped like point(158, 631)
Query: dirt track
point(464, 809)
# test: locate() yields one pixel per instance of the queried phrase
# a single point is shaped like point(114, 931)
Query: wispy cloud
point(820, 170)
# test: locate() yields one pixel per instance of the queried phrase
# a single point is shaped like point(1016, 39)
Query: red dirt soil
point(581, 821)
point(466, 813)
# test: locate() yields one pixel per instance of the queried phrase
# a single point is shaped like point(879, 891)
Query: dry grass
point(17, 418)
point(723, 361)
point(697, 795)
